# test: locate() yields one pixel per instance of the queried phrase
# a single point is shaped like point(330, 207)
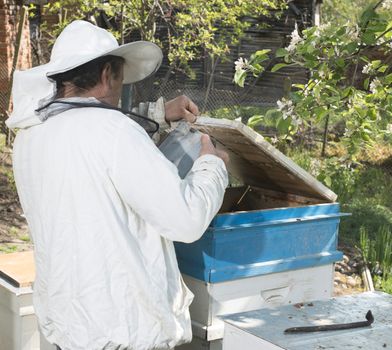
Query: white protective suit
point(104, 207)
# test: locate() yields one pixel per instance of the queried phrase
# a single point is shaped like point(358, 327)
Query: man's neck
point(96, 92)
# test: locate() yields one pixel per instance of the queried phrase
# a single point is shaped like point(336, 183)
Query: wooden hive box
point(273, 242)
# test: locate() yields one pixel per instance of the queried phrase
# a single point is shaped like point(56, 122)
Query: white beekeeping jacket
point(104, 207)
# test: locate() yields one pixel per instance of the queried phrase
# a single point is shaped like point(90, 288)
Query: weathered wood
point(255, 162)
point(18, 268)
point(261, 198)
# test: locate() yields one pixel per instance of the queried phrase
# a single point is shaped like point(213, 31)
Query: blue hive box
point(274, 241)
point(277, 218)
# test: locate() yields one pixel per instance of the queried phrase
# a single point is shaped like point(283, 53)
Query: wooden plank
point(18, 268)
point(256, 162)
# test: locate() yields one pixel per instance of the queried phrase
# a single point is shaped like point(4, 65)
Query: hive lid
point(18, 268)
point(255, 162)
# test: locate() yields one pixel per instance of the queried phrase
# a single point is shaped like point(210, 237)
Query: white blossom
point(383, 40)
point(320, 29)
point(286, 107)
point(389, 128)
point(352, 31)
point(367, 69)
point(241, 64)
point(387, 5)
point(295, 120)
point(374, 85)
point(274, 140)
point(295, 40)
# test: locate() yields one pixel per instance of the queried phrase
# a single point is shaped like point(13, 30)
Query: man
point(102, 203)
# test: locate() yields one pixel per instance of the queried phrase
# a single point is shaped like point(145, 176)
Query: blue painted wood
point(251, 217)
point(260, 242)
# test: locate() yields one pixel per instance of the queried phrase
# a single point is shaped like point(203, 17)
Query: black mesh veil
point(149, 125)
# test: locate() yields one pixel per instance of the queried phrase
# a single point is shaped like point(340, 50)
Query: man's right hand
point(208, 148)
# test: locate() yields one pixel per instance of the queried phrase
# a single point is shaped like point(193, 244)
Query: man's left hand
point(179, 108)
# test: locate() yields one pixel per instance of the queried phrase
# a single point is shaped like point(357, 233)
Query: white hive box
point(213, 300)
point(264, 329)
point(18, 323)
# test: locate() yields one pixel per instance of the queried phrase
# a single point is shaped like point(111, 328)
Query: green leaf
point(262, 52)
point(283, 125)
point(383, 68)
point(278, 66)
point(341, 31)
point(388, 78)
point(366, 84)
point(255, 120)
point(310, 49)
point(369, 38)
point(299, 86)
point(351, 47)
point(340, 62)
point(367, 15)
point(328, 181)
point(281, 52)
point(346, 92)
point(273, 114)
point(239, 77)
point(320, 113)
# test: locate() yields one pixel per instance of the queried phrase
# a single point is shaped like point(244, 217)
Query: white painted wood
point(266, 326)
point(216, 299)
point(201, 344)
point(236, 339)
point(18, 323)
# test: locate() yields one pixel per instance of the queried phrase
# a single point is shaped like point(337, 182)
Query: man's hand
point(179, 108)
point(208, 148)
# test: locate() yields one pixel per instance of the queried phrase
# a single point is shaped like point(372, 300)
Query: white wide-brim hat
point(80, 42)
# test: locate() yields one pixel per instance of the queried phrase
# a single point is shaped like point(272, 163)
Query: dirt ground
point(13, 227)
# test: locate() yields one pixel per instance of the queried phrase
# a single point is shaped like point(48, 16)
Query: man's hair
point(88, 75)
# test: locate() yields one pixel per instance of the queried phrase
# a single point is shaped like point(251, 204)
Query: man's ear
point(106, 76)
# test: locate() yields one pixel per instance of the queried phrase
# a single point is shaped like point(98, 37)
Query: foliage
point(236, 112)
point(364, 190)
point(342, 11)
point(377, 254)
point(335, 59)
point(8, 248)
point(191, 25)
point(254, 65)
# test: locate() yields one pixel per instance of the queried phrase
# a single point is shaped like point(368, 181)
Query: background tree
point(350, 81)
point(191, 25)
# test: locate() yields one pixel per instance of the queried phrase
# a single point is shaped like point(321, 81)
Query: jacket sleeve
point(180, 210)
point(154, 111)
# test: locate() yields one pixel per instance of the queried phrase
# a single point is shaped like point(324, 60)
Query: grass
point(13, 231)
point(364, 189)
point(25, 238)
point(8, 248)
point(377, 254)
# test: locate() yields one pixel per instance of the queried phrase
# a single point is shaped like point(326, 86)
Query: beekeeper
point(102, 203)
